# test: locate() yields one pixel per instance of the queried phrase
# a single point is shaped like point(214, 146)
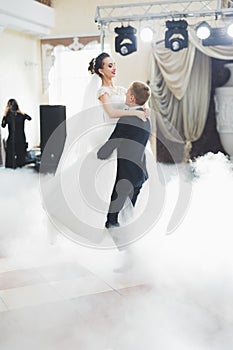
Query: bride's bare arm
point(117, 113)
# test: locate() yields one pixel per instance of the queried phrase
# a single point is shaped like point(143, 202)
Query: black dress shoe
point(109, 224)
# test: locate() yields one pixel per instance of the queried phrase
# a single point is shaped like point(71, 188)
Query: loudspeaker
point(52, 136)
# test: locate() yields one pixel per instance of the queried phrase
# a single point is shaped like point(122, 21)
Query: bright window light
point(146, 34)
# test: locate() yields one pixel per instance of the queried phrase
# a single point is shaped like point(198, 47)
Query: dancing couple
point(129, 136)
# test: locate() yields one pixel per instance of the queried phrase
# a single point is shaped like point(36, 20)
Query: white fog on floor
point(187, 304)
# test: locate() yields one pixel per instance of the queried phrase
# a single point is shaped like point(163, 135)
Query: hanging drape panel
point(165, 107)
point(180, 84)
point(220, 52)
point(175, 67)
point(196, 101)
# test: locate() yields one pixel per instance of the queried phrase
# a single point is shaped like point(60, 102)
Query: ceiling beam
point(159, 10)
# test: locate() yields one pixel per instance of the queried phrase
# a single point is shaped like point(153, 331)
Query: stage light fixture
point(146, 34)
point(176, 35)
point(125, 41)
point(203, 30)
point(218, 37)
point(230, 30)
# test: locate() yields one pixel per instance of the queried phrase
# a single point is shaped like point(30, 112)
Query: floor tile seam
point(4, 303)
point(2, 291)
point(43, 278)
point(40, 282)
point(9, 309)
point(83, 294)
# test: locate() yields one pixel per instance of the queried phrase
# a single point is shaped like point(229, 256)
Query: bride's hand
point(141, 114)
point(147, 112)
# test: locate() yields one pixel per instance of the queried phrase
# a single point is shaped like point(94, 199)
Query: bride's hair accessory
point(97, 63)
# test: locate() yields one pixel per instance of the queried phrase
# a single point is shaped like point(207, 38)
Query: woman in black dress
point(16, 145)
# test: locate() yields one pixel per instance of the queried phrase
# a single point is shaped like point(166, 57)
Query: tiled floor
point(174, 292)
point(61, 296)
point(62, 304)
point(61, 280)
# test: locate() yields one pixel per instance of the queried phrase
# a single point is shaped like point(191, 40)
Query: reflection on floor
point(164, 292)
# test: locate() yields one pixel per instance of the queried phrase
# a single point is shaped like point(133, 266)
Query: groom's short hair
point(141, 92)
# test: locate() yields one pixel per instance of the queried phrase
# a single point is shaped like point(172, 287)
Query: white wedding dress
point(77, 197)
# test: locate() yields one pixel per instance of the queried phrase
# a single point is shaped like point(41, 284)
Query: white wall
point(72, 16)
point(20, 78)
point(20, 60)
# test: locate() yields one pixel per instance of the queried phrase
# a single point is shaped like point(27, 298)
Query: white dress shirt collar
point(134, 107)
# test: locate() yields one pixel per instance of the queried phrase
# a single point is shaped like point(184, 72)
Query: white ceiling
point(27, 16)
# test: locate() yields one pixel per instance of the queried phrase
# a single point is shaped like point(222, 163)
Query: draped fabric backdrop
point(181, 85)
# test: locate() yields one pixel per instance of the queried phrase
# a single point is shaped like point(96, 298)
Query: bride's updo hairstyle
point(97, 63)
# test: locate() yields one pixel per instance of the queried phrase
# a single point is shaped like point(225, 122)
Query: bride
point(77, 197)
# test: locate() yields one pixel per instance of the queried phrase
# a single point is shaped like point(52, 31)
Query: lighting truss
point(157, 10)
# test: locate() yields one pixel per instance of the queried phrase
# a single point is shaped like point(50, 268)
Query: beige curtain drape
point(180, 84)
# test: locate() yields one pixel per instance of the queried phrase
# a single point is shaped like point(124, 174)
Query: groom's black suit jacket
point(129, 137)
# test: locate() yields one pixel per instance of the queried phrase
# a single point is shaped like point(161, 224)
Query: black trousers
point(122, 189)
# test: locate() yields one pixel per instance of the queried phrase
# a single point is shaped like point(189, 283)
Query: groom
point(129, 137)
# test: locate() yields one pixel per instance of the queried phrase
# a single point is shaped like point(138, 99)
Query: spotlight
point(203, 30)
point(230, 30)
point(126, 41)
point(176, 35)
point(146, 34)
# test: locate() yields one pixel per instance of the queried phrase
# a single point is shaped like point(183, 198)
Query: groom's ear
point(133, 99)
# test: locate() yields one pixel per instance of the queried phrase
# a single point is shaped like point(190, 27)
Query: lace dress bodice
point(116, 94)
